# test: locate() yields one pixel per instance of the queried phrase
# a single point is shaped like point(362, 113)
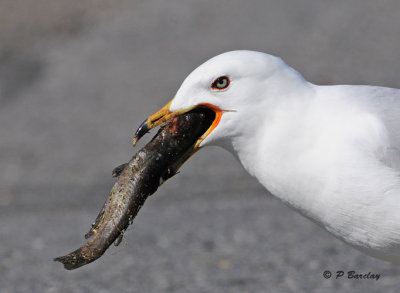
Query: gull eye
point(220, 83)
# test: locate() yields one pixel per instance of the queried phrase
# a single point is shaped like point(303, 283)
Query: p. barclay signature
point(352, 275)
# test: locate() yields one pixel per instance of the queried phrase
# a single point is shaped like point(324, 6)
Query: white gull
point(331, 152)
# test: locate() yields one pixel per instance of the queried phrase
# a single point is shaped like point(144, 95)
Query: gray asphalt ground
point(76, 81)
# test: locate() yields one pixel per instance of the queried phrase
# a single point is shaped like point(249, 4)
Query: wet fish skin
point(115, 173)
point(139, 178)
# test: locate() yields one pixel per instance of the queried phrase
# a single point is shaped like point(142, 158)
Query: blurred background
point(77, 78)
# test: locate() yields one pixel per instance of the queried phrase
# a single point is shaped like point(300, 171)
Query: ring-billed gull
point(331, 152)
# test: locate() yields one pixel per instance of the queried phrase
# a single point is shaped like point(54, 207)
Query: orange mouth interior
point(218, 115)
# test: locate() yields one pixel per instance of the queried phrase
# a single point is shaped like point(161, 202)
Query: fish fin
point(118, 170)
point(119, 239)
point(89, 234)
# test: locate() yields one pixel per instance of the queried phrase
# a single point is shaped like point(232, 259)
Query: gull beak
point(165, 114)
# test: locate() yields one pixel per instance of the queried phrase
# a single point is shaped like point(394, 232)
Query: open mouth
point(211, 119)
point(216, 114)
point(211, 113)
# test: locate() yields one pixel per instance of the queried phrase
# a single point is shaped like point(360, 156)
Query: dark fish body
point(138, 179)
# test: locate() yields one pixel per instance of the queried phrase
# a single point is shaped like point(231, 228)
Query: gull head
point(240, 87)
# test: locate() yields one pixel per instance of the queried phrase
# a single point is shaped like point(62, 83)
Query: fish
point(156, 162)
